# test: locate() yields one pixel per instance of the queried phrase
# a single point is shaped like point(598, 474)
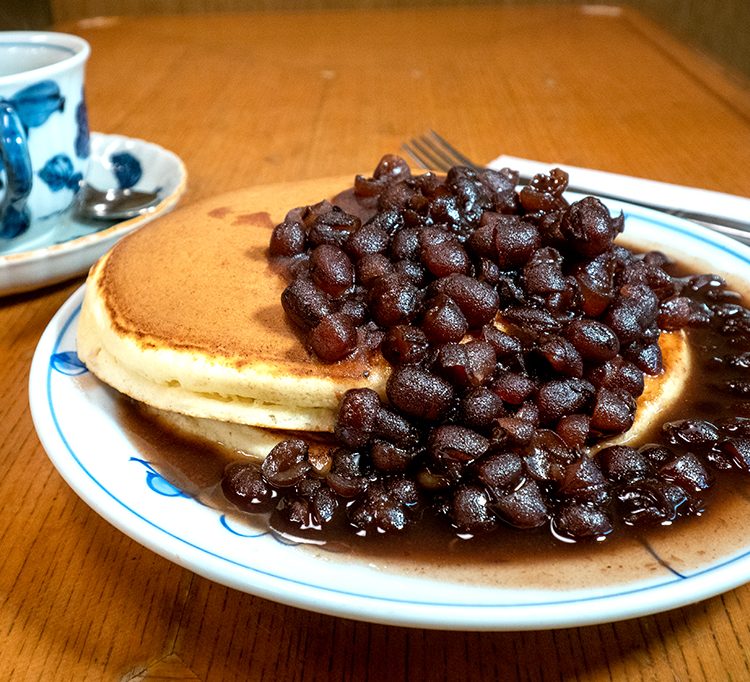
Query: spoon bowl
point(114, 204)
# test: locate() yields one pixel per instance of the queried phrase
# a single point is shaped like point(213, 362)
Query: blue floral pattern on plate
point(68, 362)
point(157, 482)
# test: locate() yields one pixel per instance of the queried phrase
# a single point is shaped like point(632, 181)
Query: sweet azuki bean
point(304, 303)
point(333, 338)
point(480, 407)
point(243, 484)
point(623, 464)
point(578, 521)
point(595, 341)
point(443, 321)
point(404, 345)
point(470, 510)
point(286, 464)
point(356, 418)
point(288, 239)
point(393, 300)
point(589, 228)
point(331, 270)
point(419, 394)
point(477, 300)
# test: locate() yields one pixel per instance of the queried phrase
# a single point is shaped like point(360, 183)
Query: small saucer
point(73, 244)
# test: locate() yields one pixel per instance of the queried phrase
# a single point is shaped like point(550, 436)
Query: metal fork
point(433, 152)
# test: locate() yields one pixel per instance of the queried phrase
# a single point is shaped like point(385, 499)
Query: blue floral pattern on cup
point(36, 103)
point(59, 174)
point(83, 138)
point(43, 122)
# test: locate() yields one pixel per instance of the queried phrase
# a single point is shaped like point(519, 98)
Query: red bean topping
point(470, 510)
point(393, 300)
point(500, 472)
point(515, 430)
point(404, 345)
point(595, 341)
point(394, 428)
point(611, 413)
point(562, 396)
point(330, 225)
point(515, 240)
point(443, 321)
point(563, 357)
point(486, 425)
point(686, 471)
point(304, 303)
point(357, 414)
point(738, 451)
point(524, 507)
point(681, 311)
point(574, 429)
point(288, 239)
point(378, 510)
point(243, 484)
point(333, 338)
point(477, 300)
point(693, 432)
point(646, 502)
point(480, 407)
point(331, 270)
point(456, 443)
point(286, 464)
point(581, 521)
point(419, 394)
point(623, 464)
point(369, 240)
point(372, 266)
point(589, 228)
point(388, 457)
point(347, 478)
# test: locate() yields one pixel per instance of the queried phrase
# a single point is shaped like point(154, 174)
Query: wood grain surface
point(720, 28)
point(253, 98)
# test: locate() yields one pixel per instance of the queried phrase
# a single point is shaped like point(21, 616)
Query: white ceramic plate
point(76, 421)
point(71, 245)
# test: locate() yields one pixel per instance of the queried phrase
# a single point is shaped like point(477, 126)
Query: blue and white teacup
point(44, 131)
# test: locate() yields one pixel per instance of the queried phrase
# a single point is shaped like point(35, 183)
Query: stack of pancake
point(184, 316)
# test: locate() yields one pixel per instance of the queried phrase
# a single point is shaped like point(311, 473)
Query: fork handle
point(678, 200)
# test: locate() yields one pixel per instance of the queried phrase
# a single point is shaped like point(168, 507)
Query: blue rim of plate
point(499, 615)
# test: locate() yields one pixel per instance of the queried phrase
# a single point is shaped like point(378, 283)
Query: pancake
point(184, 316)
point(661, 393)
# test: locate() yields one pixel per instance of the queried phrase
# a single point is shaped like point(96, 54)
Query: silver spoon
point(113, 204)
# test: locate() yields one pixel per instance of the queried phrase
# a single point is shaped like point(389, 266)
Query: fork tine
point(440, 158)
point(434, 152)
point(456, 158)
point(423, 156)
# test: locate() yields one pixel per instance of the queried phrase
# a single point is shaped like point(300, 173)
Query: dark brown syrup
point(431, 545)
point(197, 469)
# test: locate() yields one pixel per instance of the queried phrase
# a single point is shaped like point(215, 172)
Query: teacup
point(44, 131)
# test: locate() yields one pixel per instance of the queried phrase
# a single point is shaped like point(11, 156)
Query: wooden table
point(264, 97)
